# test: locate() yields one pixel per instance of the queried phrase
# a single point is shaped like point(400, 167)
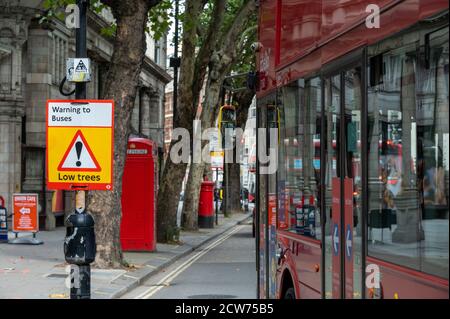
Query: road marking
point(177, 271)
point(162, 258)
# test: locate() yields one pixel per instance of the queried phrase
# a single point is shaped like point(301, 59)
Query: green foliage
point(54, 9)
point(97, 6)
point(231, 10)
point(159, 16)
point(110, 31)
point(247, 58)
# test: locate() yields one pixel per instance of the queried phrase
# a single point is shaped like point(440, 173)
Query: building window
point(156, 52)
point(5, 71)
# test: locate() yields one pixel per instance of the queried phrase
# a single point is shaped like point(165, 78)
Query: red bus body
point(326, 30)
point(297, 38)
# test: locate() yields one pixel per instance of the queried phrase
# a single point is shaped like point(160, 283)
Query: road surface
point(222, 268)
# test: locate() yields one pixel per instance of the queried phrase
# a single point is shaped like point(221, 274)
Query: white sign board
point(217, 160)
point(78, 70)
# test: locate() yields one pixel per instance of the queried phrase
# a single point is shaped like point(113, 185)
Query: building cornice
point(150, 66)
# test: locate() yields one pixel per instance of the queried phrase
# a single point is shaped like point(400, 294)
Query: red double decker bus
point(358, 206)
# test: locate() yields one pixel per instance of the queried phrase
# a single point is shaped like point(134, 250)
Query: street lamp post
point(79, 244)
point(175, 63)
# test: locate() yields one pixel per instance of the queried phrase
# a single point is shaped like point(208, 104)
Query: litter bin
point(206, 205)
point(139, 189)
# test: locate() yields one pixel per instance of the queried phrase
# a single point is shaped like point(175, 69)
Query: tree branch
point(208, 46)
point(120, 7)
point(243, 39)
point(239, 23)
point(187, 68)
point(108, 3)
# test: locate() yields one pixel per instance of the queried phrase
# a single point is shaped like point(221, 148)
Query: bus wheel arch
point(287, 286)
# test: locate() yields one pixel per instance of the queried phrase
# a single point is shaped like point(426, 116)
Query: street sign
point(214, 144)
point(79, 153)
point(336, 239)
point(78, 70)
point(217, 159)
point(348, 242)
point(3, 221)
point(78, 156)
point(25, 213)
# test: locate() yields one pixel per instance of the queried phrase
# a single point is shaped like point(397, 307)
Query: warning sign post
point(25, 218)
point(80, 135)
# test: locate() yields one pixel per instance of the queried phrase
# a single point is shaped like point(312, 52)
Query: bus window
point(299, 157)
point(409, 157)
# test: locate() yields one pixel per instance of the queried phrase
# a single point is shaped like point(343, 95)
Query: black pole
point(217, 196)
point(80, 45)
point(225, 197)
point(224, 202)
point(175, 68)
point(83, 289)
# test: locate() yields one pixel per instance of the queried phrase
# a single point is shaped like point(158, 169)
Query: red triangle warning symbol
point(78, 156)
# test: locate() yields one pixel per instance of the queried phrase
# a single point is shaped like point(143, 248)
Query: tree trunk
point(208, 171)
point(191, 197)
point(173, 174)
point(221, 62)
point(192, 193)
point(243, 100)
point(234, 189)
point(167, 230)
point(121, 86)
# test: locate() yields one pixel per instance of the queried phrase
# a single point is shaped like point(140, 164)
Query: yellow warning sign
point(80, 144)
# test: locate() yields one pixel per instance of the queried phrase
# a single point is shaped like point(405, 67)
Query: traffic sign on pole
point(80, 135)
point(78, 70)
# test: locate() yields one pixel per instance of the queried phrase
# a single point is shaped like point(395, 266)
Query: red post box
point(139, 190)
point(206, 205)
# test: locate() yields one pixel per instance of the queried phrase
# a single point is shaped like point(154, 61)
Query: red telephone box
point(139, 190)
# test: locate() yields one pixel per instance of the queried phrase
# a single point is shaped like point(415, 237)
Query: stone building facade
point(32, 65)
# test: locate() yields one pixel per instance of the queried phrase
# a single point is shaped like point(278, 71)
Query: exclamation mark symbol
point(78, 148)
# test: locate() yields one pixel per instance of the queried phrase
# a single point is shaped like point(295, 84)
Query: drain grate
point(211, 297)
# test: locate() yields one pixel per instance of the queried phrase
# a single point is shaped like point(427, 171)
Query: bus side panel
point(287, 264)
point(402, 283)
point(409, 11)
point(339, 16)
point(306, 254)
point(266, 54)
point(308, 293)
point(300, 31)
point(308, 269)
point(428, 8)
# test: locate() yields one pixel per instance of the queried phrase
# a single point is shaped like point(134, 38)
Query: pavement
point(40, 271)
